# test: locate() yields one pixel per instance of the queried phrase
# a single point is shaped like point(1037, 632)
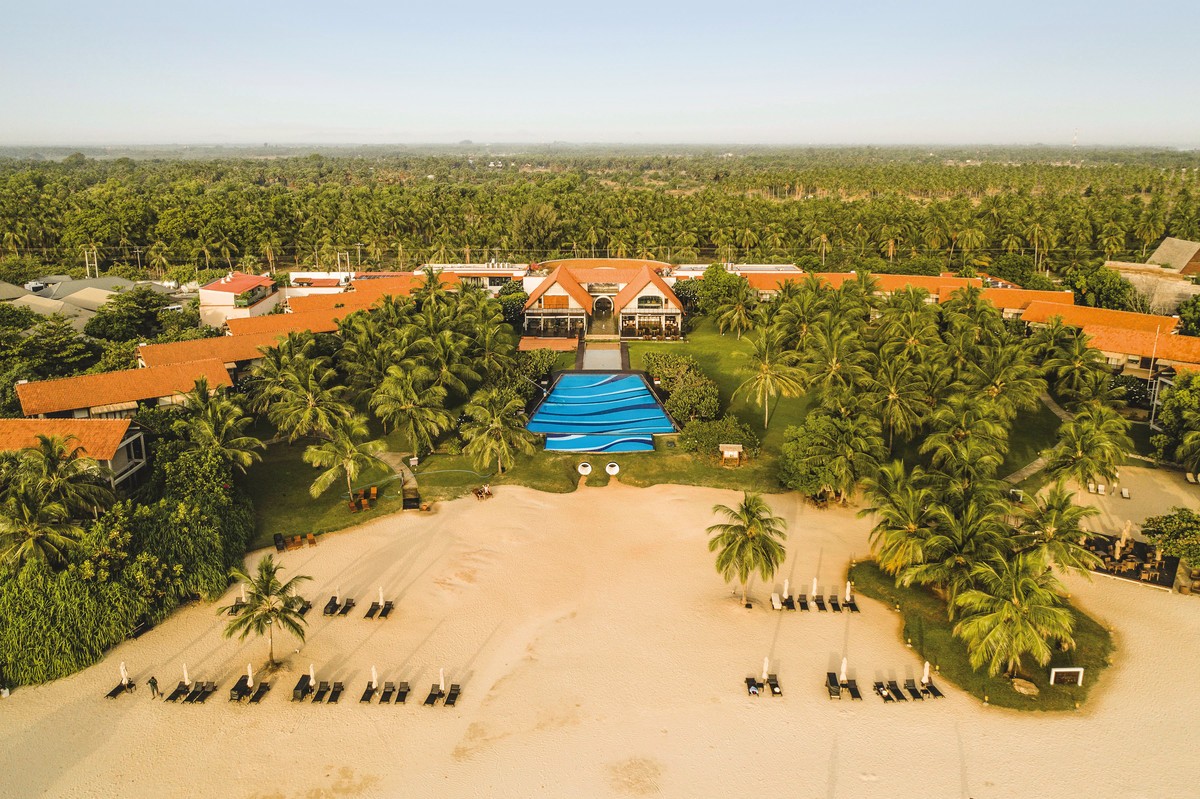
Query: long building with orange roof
point(118, 395)
point(117, 444)
point(1012, 303)
point(1084, 316)
point(363, 292)
point(320, 321)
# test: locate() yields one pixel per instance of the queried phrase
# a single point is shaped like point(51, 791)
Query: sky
point(745, 72)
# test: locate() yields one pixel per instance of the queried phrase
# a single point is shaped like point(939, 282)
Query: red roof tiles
point(100, 438)
point(1085, 316)
point(111, 388)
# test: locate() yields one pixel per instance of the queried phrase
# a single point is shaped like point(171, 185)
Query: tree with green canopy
point(271, 604)
point(749, 540)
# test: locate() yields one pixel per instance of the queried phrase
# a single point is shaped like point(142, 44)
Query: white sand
point(600, 655)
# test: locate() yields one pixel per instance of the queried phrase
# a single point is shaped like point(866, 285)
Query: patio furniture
point(240, 689)
point(452, 697)
point(386, 610)
point(773, 681)
point(402, 693)
point(389, 690)
point(280, 544)
point(322, 690)
point(312, 540)
point(820, 603)
point(851, 687)
point(1125, 493)
point(753, 687)
point(802, 601)
point(336, 693)
point(346, 608)
point(179, 692)
point(833, 686)
point(303, 688)
point(883, 692)
point(895, 691)
point(368, 692)
point(260, 692)
point(371, 611)
point(775, 602)
point(1102, 490)
point(435, 693)
point(913, 691)
point(933, 691)
point(1191, 478)
point(833, 604)
point(789, 603)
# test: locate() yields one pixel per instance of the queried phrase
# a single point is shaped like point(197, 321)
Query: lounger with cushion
point(402, 693)
point(802, 601)
point(789, 603)
point(389, 690)
point(304, 608)
point(260, 692)
point(280, 544)
point(321, 692)
point(775, 602)
point(331, 607)
point(834, 605)
point(452, 697)
point(197, 689)
point(386, 610)
point(1091, 488)
point(1102, 490)
point(346, 608)
point(240, 689)
point(371, 611)
point(753, 687)
point(180, 691)
point(897, 694)
point(882, 691)
point(820, 603)
point(1191, 478)
point(303, 688)
point(122, 688)
point(336, 693)
point(435, 693)
point(1125, 493)
point(832, 684)
point(312, 540)
point(851, 687)
point(913, 690)
point(851, 605)
point(238, 604)
point(210, 688)
point(368, 692)
point(933, 691)
point(773, 681)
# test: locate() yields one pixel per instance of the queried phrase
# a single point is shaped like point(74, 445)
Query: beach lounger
point(336, 693)
point(305, 607)
point(353, 506)
point(1091, 488)
point(346, 608)
point(1125, 493)
point(851, 687)
point(364, 504)
point(435, 693)
point(452, 697)
point(180, 691)
point(210, 688)
point(883, 692)
point(820, 603)
point(238, 604)
point(802, 601)
point(389, 690)
point(1191, 478)
point(298, 542)
point(402, 693)
point(368, 692)
point(122, 688)
point(933, 691)
point(851, 605)
point(240, 689)
point(776, 604)
point(194, 694)
point(773, 681)
point(831, 683)
point(312, 540)
point(371, 611)
point(260, 692)
point(331, 607)
point(386, 610)
point(753, 687)
point(789, 603)
point(1102, 490)
point(834, 605)
point(374, 495)
point(280, 544)
point(913, 690)
point(897, 694)
point(303, 688)
point(321, 692)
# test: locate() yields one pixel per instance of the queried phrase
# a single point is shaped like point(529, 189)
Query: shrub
point(704, 437)
point(694, 397)
point(668, 367)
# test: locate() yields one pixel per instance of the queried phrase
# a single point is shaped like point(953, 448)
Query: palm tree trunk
point(271, 644)
point(766, 413)
point(743, 593)
point(349, 488)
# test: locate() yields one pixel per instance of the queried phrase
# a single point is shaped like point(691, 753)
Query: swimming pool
point(600, 413)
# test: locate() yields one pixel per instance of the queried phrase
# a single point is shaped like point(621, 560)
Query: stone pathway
point(1032, 468)
point(606, 358)
point(399, 464)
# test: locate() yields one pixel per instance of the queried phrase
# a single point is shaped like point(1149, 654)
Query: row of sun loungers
point(755, 688)
point(1102, 489)
point(376, 611)
point(801, 602)
point(890, 692)
point(195, 694)
point(293, 542)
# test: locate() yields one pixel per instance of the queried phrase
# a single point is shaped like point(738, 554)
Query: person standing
point(153, 683)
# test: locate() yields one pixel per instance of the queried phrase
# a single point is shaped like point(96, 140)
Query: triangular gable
point(565, 279)
point(645, 278)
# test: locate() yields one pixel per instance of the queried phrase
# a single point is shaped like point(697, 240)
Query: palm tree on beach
point(495, 429)
point(345, 453)
point(904, 511)
point(1052, 527)
point(773, 372)
point(750, 540)
point(417, 412)
point(270, 605)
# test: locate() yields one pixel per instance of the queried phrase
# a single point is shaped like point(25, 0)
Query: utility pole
point(358, 246)
point(91, 259)
point(138, 252)
point(339, 261)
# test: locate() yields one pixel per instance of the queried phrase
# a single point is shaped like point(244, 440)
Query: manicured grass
point(1140, 433)
point(1032, 433)
point(564, 360)
point(929, 631)
point(723, 359)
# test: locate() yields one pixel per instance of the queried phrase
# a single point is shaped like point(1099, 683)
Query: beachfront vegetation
point(1176, 533)
point(749, 541)
point(270, 605)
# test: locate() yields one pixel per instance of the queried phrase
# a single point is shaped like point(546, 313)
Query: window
point(556, 302)
point(650, 302)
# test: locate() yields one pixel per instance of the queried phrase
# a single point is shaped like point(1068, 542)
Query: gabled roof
point(65, 288)
point(321, 321)
point(1085, 316)
point(100, 438)
point(90, 299)
point(227, 349)
point(644, 278)
point(1162, 347)
point(237, 282)
point(1174, 253)
point(1020, 298)
point(111, 388)
point(562, 276)
point(10, 292)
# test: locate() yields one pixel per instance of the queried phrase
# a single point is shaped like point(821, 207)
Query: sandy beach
point(600, 655)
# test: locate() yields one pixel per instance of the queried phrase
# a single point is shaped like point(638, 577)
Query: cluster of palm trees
point(46, 492)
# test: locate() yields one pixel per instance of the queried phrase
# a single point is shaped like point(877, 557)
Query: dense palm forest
point(830, 207)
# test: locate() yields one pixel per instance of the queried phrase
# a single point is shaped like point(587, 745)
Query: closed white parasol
point(186, 679)
point(249, 676)
point(124, 674)
point(786, 585)
point(374, 678)
point(843, 675)
point(312, 673)
point(766, 667)
point(848, 597)
point(814, 586)
point(441, 679)
point(381, 595)
point(243, 586)
point(925, 674)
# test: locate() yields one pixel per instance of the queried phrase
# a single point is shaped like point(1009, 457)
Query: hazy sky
point(835, 72)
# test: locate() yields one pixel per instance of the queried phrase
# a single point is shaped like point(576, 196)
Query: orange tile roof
point(1084, 316)
point(603, 263)
point(365, 292)
point(100, 438)
point(110, 388)
point(563, 277)
point(317, 282)
point(1020, 298)
point(238, 282)
point(644, 278)
point(227, 349)
point(1162, 347)
point(323, 321)
point(557, 344)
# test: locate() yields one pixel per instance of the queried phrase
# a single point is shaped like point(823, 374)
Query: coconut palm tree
point(1052, 527)
point(1013, 610)
point(419, 412)
point(736, 313)
point(1090, 445)
point(966, 438)
point(345, 453)
point(750, 540)
point(773, 372)
point(846, 448)
point(308, 400)
point(835, 357)
point(903, 507)
point(1077, 367)
point(270, 605)
point(897, 396)
point(35, 528)
point(494, 431)
point(218, 424)
point(444, 354)
point(962, 539)
point(59, 470)
point(1006, 375)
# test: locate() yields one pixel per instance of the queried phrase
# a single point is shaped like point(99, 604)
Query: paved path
point(1054, 406)
point(602, 358)
point(1035, 466)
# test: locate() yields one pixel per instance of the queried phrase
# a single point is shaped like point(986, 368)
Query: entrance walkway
point(598, 356)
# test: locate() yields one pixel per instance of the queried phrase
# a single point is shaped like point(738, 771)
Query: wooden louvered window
point(556, 302)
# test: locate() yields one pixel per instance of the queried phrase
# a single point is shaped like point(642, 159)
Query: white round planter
point(612, 468)
point(585, 468)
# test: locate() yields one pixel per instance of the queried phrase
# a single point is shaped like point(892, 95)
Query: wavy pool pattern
point(600, 413)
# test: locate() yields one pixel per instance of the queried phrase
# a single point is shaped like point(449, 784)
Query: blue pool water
point(600, 413)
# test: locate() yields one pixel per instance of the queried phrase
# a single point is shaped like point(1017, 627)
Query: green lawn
point(926, 627)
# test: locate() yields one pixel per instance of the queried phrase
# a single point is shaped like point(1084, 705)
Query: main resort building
point(601, 296)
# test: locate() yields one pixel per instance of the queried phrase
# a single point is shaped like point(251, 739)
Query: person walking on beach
point(153, 683)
